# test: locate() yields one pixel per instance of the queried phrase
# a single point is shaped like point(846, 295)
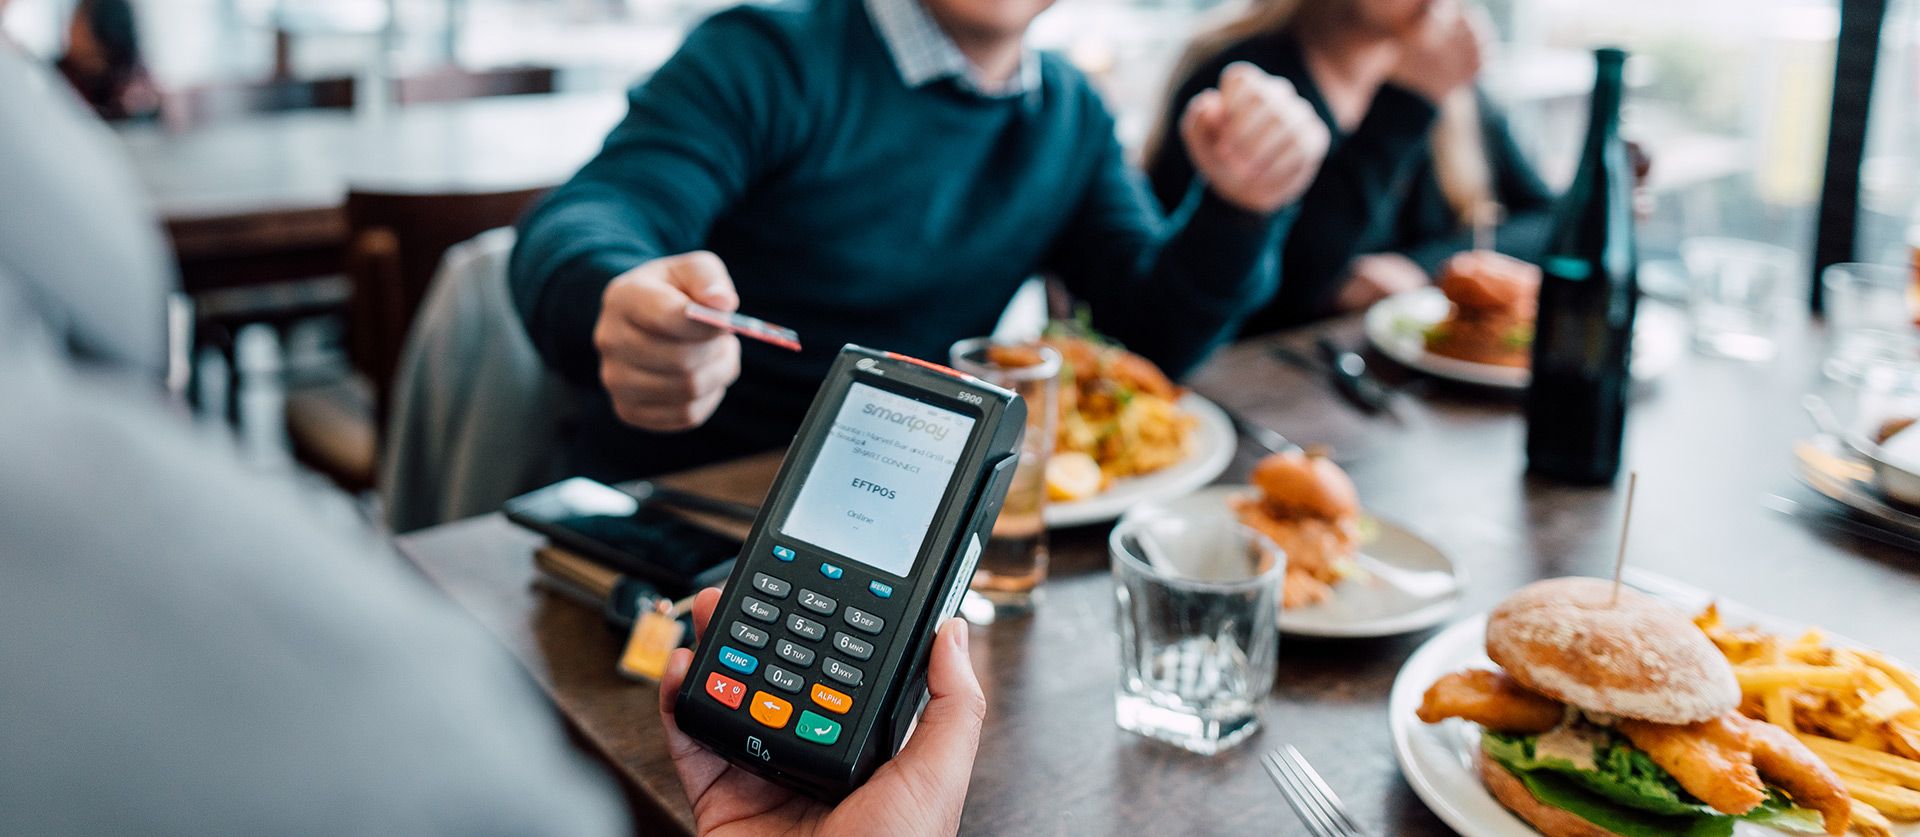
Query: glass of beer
point(1015, 560)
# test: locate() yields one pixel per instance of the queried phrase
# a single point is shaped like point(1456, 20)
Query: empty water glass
point(1870, 320)
point(1734, 294)
point(1198, 606)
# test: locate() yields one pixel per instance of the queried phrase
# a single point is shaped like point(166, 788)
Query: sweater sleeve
point(696, 135)
point(1358, 189)
point(1172, 290)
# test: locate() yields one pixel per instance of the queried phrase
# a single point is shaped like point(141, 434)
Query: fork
point(1308, 794)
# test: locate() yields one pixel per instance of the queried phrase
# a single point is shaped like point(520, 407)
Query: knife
point(1272, 441)
point(1350, 376)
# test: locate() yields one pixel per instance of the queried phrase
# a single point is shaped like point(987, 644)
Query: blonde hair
point(1459, 151)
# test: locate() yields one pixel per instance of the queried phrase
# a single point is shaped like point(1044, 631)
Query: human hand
point(1375, 277)
point(665, 372)
point(1254, 139)
point(1443, 53)
point(919, 792)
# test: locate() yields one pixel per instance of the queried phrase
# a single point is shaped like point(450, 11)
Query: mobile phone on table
point(813, 666)
point(638, 536)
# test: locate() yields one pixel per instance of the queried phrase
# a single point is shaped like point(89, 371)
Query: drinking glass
point(1198, 603)
point(1734, 294)
point(1015, 560)
point(1870, 322)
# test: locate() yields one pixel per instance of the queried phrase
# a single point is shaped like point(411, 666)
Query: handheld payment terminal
point(814, 664)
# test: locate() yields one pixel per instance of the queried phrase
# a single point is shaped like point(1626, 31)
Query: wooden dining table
point(262, 198)
point(1717, 508)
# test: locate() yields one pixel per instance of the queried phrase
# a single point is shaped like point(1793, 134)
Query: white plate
point(1212, 443)
point(1397, 325)
point(1437, 759)
point(1410, 584)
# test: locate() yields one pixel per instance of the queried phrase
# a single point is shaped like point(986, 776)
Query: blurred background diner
point(284, 270)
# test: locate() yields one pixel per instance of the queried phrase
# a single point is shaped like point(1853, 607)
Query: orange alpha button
point(831, 700)
point(771, 710)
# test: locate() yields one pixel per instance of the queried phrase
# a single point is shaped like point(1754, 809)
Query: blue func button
point(884, 591)
point(738, 660)
point(783, 553)
point(830, 571)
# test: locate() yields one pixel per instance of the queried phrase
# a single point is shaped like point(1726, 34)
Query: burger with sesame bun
point(1612, 714)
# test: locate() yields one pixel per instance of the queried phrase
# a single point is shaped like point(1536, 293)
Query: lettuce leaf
point(1560, 791)
point(1626, 787)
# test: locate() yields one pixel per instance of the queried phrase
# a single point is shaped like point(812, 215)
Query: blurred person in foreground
point(1418, 153)
point(192, 647)
point(882, 172)
point(103, 61)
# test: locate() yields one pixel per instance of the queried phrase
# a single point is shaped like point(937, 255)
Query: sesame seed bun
point(1636, 658)
point(1548, 820)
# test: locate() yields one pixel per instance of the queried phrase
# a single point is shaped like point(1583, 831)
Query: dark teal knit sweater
point(855, 209)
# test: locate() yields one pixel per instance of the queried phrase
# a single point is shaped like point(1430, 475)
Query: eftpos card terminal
point(814, 665)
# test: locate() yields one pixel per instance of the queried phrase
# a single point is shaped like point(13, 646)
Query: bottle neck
point(1603, 119)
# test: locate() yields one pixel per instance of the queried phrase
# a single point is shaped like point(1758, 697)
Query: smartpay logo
point(912, 423)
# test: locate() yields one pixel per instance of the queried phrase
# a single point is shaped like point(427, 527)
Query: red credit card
point(745, 326)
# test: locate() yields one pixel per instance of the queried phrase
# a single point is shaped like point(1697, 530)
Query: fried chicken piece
point(1299, 588)
point(1492, 700)
point(1786, 762)
point(1713, 760)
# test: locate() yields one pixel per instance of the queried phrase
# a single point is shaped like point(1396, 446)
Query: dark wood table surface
point(272, 187)
point(1710, 441)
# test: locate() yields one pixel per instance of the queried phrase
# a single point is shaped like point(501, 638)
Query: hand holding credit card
point(745, 326)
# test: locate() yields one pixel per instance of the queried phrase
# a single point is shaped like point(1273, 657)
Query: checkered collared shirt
point(924, 54)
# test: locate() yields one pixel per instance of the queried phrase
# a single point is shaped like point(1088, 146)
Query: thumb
point(937, 761)
point(704, 279)
point(1200, 125)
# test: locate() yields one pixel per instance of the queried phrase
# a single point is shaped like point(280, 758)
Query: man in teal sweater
point(882, 172)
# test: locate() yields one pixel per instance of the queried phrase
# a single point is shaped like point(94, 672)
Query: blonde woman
point(1416, 152)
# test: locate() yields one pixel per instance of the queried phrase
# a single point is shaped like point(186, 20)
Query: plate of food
point(1567, 712)
point(1126, 434)
point(1349, 574)
point(1476, 325)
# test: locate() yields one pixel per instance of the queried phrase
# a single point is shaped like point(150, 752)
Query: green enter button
point(817, 729)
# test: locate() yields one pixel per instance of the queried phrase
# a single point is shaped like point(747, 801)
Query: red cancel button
point(728, 691)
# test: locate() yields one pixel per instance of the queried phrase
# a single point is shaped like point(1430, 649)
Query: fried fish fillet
point(1713, 760)
point(1787, 763)
point(1492, 700)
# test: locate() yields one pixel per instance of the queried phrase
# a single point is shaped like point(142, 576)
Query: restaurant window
point(1889, 225)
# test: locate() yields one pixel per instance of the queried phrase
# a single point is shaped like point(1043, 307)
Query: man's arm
point(1174, 291)
point(1170, 289)
point(698, 133)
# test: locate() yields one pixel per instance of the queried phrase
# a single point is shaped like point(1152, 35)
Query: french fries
point(1858, 710)
point(1762, 678)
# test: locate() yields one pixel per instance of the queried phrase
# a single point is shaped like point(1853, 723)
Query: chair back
point(475, 417)
point(395, 243)
point(453, 83)
point(196, 106)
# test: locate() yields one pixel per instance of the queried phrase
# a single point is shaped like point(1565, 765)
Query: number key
point(783, 679)
point(806, 628)
point(854, 648)
point(771, 586)
point(816, 602)
point(795, 653)
point(841, 671)
point(864, 621)
point(760, 610)
point(750, 635)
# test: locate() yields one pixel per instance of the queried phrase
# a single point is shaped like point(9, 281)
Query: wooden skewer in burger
point(1614, 716)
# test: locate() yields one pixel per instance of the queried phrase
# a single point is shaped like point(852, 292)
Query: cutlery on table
point(1269, 439)
point(1352, 377)
point(1315, 803)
